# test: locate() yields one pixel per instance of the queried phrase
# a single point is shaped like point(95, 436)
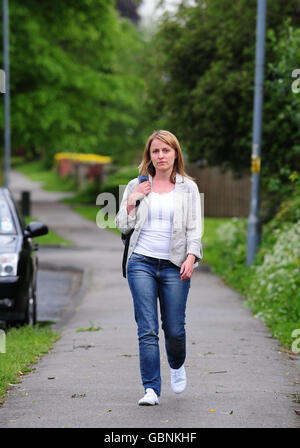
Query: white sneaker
point(178, 379)
point(149, 399)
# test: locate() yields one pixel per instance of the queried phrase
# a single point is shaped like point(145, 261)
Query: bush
point(274, 291)
point(271, 285)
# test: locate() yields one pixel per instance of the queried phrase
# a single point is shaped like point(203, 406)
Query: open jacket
point(187, 221)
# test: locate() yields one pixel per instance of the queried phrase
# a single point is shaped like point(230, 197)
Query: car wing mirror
point(35, 228)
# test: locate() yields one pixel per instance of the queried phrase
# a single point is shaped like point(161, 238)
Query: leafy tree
point(201, 83)
point(281, 142)
point(70, 86)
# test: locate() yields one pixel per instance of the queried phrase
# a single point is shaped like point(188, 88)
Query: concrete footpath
point(238, 375)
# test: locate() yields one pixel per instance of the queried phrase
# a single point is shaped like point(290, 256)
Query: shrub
point(274, 291)
point(271, 285)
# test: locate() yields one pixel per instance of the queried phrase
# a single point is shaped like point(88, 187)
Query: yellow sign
point(80, 157)
point(255, 165)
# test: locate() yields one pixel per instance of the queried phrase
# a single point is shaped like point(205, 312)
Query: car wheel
point(31, 306)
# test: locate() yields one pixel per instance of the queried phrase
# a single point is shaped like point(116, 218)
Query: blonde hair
point(146, 167)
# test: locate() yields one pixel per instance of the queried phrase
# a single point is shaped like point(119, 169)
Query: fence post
point(25, 203)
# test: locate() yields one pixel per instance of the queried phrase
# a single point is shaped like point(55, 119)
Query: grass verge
point(93, 213)
point(51, 238)
point(24, 347)
point(50, 179)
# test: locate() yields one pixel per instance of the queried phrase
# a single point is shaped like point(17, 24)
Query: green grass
point(210, 238)
point(86, 195)
point(50, 179)
point(210, 228)
point(90, 212)
point(51, 238)
point(229, 262)
point(24, 347)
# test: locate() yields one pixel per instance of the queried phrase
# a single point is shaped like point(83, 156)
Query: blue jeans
point(151, 278)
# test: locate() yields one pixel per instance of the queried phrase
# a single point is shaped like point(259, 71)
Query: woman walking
point(165, 213)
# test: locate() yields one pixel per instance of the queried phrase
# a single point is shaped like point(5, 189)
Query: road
point(238, 375)
point(55, 294)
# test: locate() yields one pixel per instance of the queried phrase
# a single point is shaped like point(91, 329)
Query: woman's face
point(162, 155)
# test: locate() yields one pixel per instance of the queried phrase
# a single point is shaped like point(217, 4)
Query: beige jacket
point(187, 221)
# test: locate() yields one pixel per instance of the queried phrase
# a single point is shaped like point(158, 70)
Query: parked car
point(18, 263)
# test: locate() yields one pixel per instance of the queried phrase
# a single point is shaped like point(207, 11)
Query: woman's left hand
point(186, 270)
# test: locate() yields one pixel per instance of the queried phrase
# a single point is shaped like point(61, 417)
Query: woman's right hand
point(139, 192)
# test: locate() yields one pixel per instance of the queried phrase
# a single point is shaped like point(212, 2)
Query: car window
point(19, 214)
point(7, 226)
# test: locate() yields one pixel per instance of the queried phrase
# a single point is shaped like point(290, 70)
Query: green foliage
point(74, 83)
point(225, 250)
point(281, 116)
point(274, 292)
point(271, 285)
point(201, 83)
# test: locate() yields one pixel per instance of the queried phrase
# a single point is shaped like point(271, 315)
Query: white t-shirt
point(155, 236)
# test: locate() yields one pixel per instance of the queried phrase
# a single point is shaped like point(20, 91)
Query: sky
point(149, 10)
point(149, 7)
